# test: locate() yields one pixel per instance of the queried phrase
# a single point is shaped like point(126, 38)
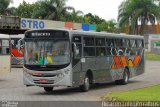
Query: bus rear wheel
point(125, 79)
point(48, 89)
point(86, 85)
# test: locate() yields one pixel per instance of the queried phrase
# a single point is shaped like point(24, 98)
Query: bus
point(17, 57)
point(71, 58)
point(5, 57)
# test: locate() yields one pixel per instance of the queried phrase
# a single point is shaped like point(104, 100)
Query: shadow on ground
point(75, 90)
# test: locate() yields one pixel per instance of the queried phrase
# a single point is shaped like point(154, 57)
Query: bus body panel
point(5, 64)
point(78, 75)
point(5, 57)
point(101, 67)
point(58, 78)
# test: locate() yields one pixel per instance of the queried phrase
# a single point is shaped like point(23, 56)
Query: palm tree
point(4, 6)
point(50, 9)
point(138, 12)
point(74, 16)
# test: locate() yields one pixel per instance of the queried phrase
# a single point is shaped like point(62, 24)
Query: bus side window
point(133, 47)
point(127, 47)
point(4, 48)
point(139, 43)
point(110, 46)
point(127, 43)
point(139, 46)
point(89, 48)
point(119, 44)
point(100, 47)
point(77, 40)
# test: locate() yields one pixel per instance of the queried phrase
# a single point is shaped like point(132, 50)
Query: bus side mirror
point(20, 45)
point(75, 50)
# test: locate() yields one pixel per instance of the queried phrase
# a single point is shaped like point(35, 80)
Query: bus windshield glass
point(47, 52)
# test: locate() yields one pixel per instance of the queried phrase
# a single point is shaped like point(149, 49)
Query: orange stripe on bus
point(113, 66)
point(117, 61)
point(136, 60)
point(124, 61)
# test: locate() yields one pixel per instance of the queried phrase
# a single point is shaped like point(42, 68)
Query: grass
point(152, 56)
point(144, 94)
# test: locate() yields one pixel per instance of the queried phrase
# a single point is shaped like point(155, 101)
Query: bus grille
point(44, 75)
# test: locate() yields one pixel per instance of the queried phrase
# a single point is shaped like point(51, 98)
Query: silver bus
point(56, 57)
point(5, 56)
point(17, 58)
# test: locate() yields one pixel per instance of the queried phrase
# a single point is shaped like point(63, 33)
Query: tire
point(48, 89)
point(86, 85)
point(125, 79)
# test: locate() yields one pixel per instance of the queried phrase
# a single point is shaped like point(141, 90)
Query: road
point(12, 88)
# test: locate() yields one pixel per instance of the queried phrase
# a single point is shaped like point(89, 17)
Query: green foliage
point(74, 16)
point(152, 56)
point(25, 10)
point(50, 9)
point(93, 19)
point(102, 27)
point(133, 11)
point(4, 6)
point(107, 26)
point(144, 94)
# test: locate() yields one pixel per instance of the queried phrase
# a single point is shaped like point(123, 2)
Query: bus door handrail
point(19, 46)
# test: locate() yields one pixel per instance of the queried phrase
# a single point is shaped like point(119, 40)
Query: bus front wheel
point(86, 85)
point(48, 89)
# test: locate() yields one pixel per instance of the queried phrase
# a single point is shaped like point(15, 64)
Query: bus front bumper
point(60, 79)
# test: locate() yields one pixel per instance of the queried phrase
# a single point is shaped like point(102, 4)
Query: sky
point(106, 9)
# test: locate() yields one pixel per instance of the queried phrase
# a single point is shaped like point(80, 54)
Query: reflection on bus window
point(47, 53)
point(4, 47)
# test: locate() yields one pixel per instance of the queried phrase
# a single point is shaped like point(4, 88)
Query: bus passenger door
point(5, 58)
point(76, 60)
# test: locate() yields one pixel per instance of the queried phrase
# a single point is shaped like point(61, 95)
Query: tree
point(11, 10)
point(50, 9)
point(25, 10)
point(74, 16)
point(133, 13)
point(4, 6)
point(107, 26)
point(93, 19)
point(102, 27)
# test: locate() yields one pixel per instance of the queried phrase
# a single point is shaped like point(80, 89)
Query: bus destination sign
point(47, 33)
point(38, 34)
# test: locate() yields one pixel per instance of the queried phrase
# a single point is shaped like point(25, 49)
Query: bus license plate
point(43, 81)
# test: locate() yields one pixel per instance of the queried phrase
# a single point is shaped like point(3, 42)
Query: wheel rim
point(87, 83)
point(126, 77)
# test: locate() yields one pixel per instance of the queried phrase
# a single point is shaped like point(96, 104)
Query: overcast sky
point(106, 9)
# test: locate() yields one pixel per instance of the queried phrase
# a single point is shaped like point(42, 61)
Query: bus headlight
point(66, 71)
point(61, 75)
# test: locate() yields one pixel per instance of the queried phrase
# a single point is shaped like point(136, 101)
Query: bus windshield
point(47, 52)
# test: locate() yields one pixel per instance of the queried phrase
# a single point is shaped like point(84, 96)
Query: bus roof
point(101, 34)
point(5, 36)
point(17, 36)
point(105, 34)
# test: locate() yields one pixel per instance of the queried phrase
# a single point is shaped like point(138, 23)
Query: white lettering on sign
point(40, 34)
